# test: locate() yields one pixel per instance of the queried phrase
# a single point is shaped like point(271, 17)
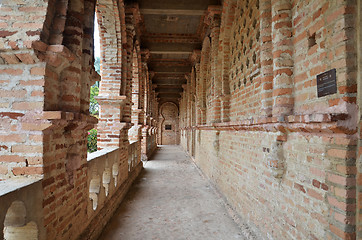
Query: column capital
point(195, 57)
point(151, 74)
point(145, 55)
point(213, 16)
point(133, 10)
point(188, 76)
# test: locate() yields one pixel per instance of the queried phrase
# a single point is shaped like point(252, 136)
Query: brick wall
point(244, 80)
point(21, 141)
point(21, 88)
point(296, 206)
point(284, 158)
point(323, 39)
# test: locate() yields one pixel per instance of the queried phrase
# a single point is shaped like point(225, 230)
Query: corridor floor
point(171, 201)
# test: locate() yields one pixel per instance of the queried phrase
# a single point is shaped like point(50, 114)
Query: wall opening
point(169, 124)
point(134, 131)
point(94, 90)
point(16, 226)
point(312, 40)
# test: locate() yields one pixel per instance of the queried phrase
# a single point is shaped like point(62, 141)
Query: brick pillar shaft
point(282, 57)
point(266, 58)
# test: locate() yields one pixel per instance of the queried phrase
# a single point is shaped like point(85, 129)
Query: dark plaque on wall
point(326, 83)
point(168, 127)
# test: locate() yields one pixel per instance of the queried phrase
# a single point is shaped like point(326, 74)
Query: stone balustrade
point(109, 177)
point(133, 155)
point(104, 174)
point(21, 209)
point(111, 172)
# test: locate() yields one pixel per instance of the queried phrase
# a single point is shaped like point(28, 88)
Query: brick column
point(216, 86)
point(130, 34)
point(266, 58)
point(112, 98)
point(359, 151)
point(135, 88)
point(282, 57)
point(111, 105)
point(146, 140)
point(110, 120)
point(135, 132)
point(199, 107)
point(195, 76)
point(192, 96)
point(204, 77)
point(186, 98)
point(145, 54)
point(150, 96)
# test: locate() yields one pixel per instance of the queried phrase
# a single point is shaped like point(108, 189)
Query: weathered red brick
point(27, 171)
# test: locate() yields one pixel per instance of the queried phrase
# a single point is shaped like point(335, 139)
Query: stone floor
point(172, 201)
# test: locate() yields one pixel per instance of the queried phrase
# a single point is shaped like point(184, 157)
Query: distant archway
point(169, 124)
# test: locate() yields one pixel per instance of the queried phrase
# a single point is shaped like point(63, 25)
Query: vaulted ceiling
point(172, 29)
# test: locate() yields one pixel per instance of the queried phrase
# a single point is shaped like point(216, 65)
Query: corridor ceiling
point(172, 29)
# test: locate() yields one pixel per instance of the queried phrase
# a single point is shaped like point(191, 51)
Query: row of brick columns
point(46, 72)
point(276, 60)
point(126, 96)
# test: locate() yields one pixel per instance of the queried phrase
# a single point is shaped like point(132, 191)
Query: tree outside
point(94, 110)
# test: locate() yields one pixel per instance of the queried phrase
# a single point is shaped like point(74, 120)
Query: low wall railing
point(134, 156)
point(21, 209)
point(21, 199)
point(103, 176)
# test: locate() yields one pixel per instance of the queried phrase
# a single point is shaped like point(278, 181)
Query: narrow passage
point(172, 201)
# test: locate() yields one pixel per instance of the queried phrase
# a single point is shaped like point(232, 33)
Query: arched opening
point(93, 105)
point(15, 225)
point(108, 19)
point(169, 124)
point(94, 89)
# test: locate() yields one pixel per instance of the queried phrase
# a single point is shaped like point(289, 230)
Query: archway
point(169, 124)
